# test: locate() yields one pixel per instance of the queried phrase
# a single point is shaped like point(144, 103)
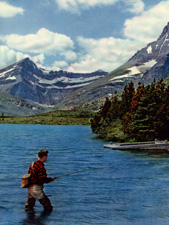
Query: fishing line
point(82, 171)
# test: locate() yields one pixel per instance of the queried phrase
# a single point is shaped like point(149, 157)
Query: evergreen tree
point(99, 121)
point(127, 119)
point(161, 121)
point(115, 108)
point(143, 123)
point(126, 98)
point(105, 108)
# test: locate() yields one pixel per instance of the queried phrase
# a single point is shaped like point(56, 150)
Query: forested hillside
point(140, 114)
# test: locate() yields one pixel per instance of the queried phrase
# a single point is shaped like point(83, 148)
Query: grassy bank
point(59, 117)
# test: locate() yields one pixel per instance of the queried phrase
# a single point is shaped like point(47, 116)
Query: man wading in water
point(38, 178)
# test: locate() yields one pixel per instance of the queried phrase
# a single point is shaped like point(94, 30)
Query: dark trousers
point(30, 203)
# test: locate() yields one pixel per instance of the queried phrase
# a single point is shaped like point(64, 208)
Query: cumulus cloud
point(44, 41)
point(70, 56)
point(135, 6)
point(9, 56)
point(148, 26)
point(39, 59)
point(74, 6)
point(104, 53)
point(59, 65)
point(7, 11)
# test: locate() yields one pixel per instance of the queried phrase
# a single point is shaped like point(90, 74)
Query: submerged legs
point(46, 204)
point(30, 203)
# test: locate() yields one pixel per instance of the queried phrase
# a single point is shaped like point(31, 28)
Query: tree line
point(140, 114)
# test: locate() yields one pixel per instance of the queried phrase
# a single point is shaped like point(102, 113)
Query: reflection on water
point(129, 188)
point(32, 218)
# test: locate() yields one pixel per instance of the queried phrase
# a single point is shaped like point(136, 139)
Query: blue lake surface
point(129, 188)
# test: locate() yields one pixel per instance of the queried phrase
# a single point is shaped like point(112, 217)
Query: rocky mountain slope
point(12, 106)
point(155, 55)
point(25, 80)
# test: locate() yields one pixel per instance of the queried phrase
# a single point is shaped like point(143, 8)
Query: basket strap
point(32, 171)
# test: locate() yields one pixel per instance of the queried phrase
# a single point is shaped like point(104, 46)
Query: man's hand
point(53, 178)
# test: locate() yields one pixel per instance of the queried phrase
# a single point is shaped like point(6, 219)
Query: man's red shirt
point(38, 173)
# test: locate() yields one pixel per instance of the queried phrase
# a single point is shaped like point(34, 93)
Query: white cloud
point(7, 11)
point(74, 6)
point(148, 26)
point(59, 65)
point(105, 53)
point(9, 56)
point(38, 58)
point(135, 6)
point(44, 41)
point(70, 56)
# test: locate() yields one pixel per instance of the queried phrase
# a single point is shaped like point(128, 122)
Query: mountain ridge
point(25, 80)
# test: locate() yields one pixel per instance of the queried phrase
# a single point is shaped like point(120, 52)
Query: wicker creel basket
point(25, 180)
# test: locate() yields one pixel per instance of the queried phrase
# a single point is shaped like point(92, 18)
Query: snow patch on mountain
point(66, 87)
point(149, 49)
point(117, 81)
point(7, 71)
point(11, 78)
point(130, 72)
point(149, 63)
point(67, 80)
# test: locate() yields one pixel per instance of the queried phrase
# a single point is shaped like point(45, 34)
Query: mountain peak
point(23, 60)
point(26, 60)
point(165, 31)
point(27, 64)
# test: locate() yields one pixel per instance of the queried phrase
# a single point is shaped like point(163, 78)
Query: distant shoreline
point(57, 117)
point(46, 121)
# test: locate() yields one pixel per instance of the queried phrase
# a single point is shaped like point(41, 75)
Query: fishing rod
point(81, 171)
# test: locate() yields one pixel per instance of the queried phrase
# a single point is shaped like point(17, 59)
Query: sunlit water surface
point(127, 188)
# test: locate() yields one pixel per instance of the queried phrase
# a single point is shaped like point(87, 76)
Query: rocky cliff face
point(153, 51)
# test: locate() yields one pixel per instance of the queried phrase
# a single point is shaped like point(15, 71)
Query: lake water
point(128, 188)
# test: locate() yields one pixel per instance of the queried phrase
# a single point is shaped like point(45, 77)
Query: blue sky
point(78, 35)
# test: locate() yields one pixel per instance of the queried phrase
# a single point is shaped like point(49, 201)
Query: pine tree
point(127, 119)
point(115, 107)
point(161, 121)
point(143, 123)
point(99, 121)
point(126, 98)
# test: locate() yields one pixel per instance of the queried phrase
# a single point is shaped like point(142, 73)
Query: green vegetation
point(135, 115)
point(59, 117)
